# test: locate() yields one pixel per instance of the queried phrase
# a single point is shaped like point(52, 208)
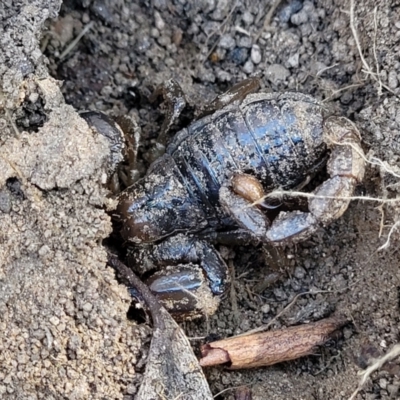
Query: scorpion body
point(276, 138)
point(202, 190)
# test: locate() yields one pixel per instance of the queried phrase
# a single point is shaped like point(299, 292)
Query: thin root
point(266, 326)
point(367, 69)
point(393, 353)
point(387, 243)
point(281, 193)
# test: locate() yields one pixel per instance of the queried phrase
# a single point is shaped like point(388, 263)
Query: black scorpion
point(210, 184)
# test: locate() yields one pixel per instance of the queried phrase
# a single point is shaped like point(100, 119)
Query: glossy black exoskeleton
point(188, 199)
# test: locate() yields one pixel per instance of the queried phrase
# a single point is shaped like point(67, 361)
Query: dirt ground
point(64, 328)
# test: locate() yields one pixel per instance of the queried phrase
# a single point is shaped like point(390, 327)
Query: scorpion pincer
point(203, 189)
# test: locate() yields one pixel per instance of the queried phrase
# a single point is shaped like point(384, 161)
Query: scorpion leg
point(130, 173)
point(236, 92)
point(181, 284)
point(175, 100)
point(107, 127)
point(123, 135)
point(346, 167)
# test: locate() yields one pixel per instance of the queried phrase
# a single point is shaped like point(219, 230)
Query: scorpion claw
point(291, 226)
point(243, 212)
point(330, 200)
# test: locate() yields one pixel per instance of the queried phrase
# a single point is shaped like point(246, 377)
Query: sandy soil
point(64, 331)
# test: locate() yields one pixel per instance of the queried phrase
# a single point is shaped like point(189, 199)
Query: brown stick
point(268, 348)
point(172, 370)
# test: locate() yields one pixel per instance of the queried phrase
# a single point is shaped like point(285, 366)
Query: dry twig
point(268, 348)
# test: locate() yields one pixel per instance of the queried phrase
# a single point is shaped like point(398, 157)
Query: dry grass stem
point(367, 69)
point(233, 296)
point(371, 160)
point(72, 45)
point(321, 71)
point(266, 326)
point(12, 123)
point(338, 91)
point(220, 31)
point(241, 30)
point(267, 19)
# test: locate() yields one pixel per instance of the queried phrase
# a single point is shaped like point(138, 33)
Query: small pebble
point(5, 201)
point(392, 79)
point(248, 67)
point(245, 41)
point(159, 22)
point(239, 55)
point(33, 97)
point(154, 33)
point(43, 250)
point(244, 325)
point(393, 390)
point(280, 294)
point(227, 42)
point(276, 73)
point(143, 43)
point(206, 5)
point(222, 9)
point(160, 4)
point(100, 9)
point(307, 13)
point(223, 76)
point(299, 18)
point(265, 309)
point(299, 272)
point(346, 98)
point(255, 54)
point(347, 333)
point(247, 18)
point(383, 383)
point(87, 307)
point(54, 320)
point(290, 9)
point(293, 61)
point(85, 18)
